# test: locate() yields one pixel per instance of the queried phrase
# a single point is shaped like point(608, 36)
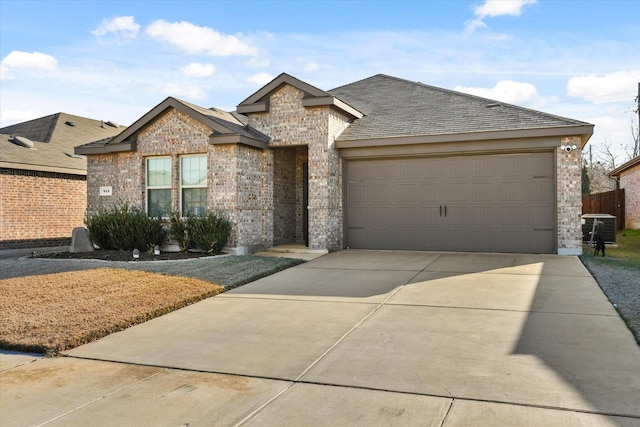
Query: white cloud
point(121, 27)
point(194, 39)
point(518, 93)
point(183, 91)
point(196, 69)
point(311, 66)
point(9, 117)
point(34, 61)
point(260, 78)
point(602, 89)
point(25, 60)
point(493, 8)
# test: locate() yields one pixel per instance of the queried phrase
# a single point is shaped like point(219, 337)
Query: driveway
point(357, 338)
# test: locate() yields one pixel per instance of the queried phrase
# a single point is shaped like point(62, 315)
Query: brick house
point(43, 189)
point(382, 163)
point(628, 177)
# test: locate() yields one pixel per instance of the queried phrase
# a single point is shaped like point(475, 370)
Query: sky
point(116, 60)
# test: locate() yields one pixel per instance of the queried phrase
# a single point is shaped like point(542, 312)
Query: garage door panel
point(496, 203)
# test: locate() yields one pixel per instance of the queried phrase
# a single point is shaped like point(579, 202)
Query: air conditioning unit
point(610, 226)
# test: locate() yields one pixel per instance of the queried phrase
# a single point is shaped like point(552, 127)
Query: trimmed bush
point(125, 227)
point(209, 232)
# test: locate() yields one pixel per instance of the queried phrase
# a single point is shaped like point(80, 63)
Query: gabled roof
point(397, 108)
point(54, 138)
point(227, 128)
point(627, 165)
point(313, 97)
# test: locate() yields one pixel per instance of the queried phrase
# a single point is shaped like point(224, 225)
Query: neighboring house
point(628, 177)
point(382, 163)
point(43, 189)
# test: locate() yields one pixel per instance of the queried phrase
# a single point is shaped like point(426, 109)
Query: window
point(159, 186)
point(193, 185)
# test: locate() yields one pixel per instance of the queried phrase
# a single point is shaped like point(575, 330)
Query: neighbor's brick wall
point(569, 198)
point(630, 181)
point(40, 208)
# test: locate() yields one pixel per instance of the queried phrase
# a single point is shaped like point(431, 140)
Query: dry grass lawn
point(55, 312)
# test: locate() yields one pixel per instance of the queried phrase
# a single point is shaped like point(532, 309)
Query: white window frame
point(157, 187)
point(182, 187)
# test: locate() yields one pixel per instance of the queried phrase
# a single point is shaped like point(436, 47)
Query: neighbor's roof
point(54, 138)
point(397, 108)
point(628, 165)
point(227, 128)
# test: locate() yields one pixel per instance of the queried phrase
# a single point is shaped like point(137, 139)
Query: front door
point(305, 203)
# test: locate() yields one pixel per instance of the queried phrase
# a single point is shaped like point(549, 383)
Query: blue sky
point(115, 60)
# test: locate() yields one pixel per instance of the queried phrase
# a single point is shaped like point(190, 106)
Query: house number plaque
point(105, 191)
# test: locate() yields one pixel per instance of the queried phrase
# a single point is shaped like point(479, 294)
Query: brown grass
point(55, 312)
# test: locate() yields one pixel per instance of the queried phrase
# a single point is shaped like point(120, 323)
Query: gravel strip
point(620, 281)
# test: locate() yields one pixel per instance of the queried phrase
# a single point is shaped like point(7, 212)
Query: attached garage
point(427, 168)
point(488, 203)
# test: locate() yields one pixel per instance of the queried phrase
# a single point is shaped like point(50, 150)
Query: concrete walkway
point(356, 338)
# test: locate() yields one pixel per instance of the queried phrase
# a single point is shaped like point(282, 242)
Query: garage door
point(490, 203)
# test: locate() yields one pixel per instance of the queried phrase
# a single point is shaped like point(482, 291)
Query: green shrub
point(125, 227)
point(178, 231)
point(209, 232)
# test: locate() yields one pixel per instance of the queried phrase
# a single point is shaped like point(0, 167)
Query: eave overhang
point(42, 168)
point(584, 131)
point(628, 165)
point(107, 148)
point(234, 138)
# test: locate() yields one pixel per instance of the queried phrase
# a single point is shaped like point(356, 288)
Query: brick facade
point(630, 181)
point(40, 208)
point(569, 197)
point(261, 188)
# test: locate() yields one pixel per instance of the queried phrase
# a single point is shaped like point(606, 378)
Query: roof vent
point(69, 123)
point(492, 105)
point(22, 141)
point(112, 124)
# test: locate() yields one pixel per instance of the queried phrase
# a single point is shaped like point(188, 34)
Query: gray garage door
point(490, 203)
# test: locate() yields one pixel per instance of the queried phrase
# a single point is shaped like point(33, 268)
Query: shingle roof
point(54, 142)
point(395, 107)
point(233, 121)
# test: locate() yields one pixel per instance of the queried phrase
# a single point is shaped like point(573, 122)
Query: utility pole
point(638, 101)
point(636, 147)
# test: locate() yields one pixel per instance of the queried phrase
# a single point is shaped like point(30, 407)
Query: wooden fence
point(609, 202)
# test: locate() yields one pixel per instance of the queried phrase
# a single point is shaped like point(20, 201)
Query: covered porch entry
point(290, 195)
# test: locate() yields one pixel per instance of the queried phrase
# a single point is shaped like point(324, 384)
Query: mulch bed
point(123, 255)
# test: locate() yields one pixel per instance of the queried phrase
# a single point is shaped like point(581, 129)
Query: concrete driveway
point(357, 338)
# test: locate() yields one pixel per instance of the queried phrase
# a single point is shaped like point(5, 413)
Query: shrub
point(209, 232)
point(125, 227)
point(178, 231)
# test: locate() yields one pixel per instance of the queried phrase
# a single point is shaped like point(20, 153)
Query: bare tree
point(605, 158)
point(602, 162)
